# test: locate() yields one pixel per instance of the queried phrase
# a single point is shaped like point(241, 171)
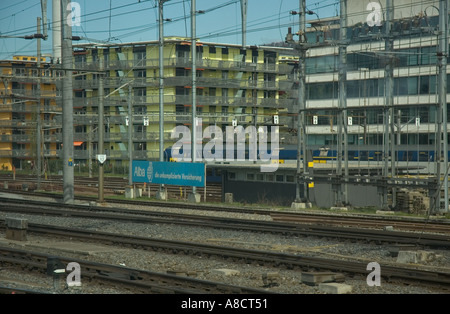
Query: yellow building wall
point(5, 164)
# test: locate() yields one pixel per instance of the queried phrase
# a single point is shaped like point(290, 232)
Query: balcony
point(186, 62)
point(32, 94)
point(17, 153)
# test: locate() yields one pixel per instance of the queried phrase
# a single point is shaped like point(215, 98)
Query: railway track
point(318, 227)
point(112, 186)
point(347, 220)
point(368, 222)
point(274, 259)
point(247, 256)
point(140, 281)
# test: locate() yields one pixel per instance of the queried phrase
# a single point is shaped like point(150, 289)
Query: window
point(140, 94)
point(322, 90)
point(269, 94)
point(406, 86)
point(140, 129)
point(181, 72)
point(140, 146)
point(140, 110)
point(224, 113)
point(80, 129)
point(183, 53)
point(80, 94)
point(180, 91)
point(79, 59)
point(225, 94)
point(270, 57)
point(240, 113)
point(106, 57)
point(140, 73)
point(140, 55)
point(225, 75)
point(255, 54)
point(428, 55)
point(180, 109)
point(325, 64)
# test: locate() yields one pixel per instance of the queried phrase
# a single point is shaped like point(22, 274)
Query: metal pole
point(161, 85)
point(244, 6)
point(44, 18)
point(90, 148)
point(390, 18)
point(194, 86)
point(442, 64)
point(130, 136)
point(388, 110)
point(301, 128)
point(342, 123)
point(38, 108)
point(67, 106)
point(101, 131)
point(56, 28)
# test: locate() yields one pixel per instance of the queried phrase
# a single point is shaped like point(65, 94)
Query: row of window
point(375, 116)
point(330, 140)
point(262, 177)
point(372, 60)
point(403, 86)
point(139, 53)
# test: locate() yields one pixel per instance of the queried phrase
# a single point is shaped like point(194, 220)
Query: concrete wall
point(322, 195)
point(283, 194)
point(260, 192)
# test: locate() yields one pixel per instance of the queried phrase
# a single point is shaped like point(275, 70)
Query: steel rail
point(275, 259)
point(141, 280)
point(138, 216)
point(368, 222)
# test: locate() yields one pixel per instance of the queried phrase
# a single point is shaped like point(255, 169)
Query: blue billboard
point(171, 173)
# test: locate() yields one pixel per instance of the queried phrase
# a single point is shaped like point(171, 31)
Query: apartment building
point(234, 86)
point(26, 95)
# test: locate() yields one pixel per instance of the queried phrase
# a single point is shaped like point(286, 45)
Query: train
point(323, 155)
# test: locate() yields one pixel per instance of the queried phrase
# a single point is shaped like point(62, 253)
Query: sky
point(124, 21)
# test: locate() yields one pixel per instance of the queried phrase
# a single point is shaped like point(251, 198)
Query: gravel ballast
point(281, 280)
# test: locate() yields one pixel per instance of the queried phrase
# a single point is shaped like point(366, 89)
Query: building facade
point(415, 96)
point(21, 90)
point(234, 86)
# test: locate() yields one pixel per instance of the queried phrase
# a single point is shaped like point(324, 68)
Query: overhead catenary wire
point(93, 17)
point(109, 10)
